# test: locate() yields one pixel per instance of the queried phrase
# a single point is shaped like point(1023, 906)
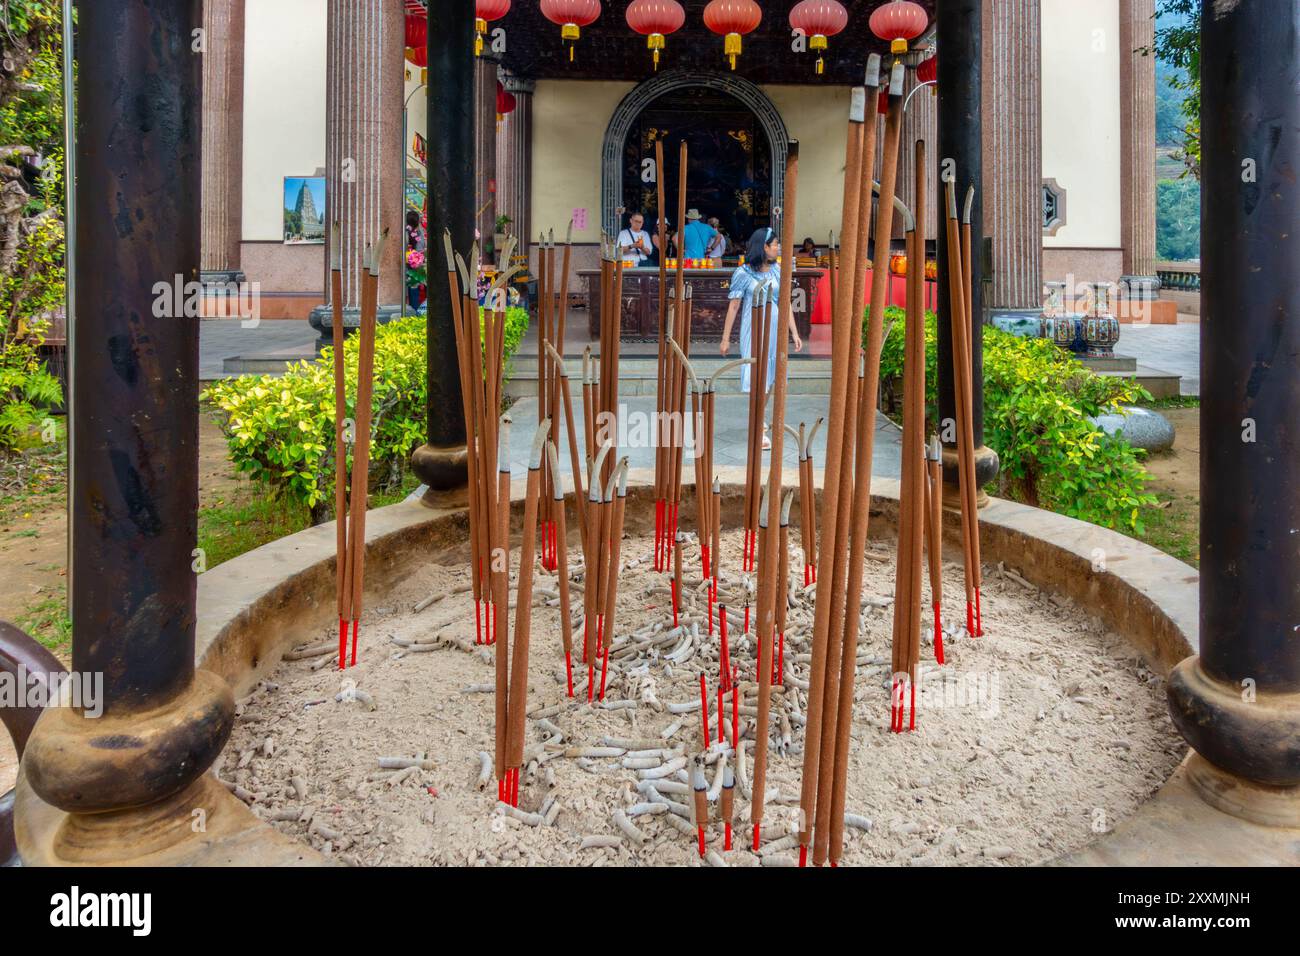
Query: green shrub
point(280, 429)
point(27, 390)
point(1037, 401)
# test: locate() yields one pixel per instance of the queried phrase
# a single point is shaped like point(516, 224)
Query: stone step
point(640, 376)
point(1158, 382)
point(1112, 363)
point(266, 363)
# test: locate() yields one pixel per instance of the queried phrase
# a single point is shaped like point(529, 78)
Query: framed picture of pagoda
point(304, 210)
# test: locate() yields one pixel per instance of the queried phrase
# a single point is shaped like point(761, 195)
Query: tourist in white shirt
point(634, 241)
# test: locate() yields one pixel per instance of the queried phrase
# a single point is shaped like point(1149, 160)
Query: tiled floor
point(220, 339)
point(1172, 348)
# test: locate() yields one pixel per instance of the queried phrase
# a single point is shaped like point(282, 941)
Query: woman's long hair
point(756, 253)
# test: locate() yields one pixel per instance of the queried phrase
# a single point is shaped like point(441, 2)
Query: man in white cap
point(697, 236)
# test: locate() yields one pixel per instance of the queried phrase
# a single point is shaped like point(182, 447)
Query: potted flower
point(417, 276)
point(502, 231)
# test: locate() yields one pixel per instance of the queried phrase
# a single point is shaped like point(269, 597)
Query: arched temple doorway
point(737, 149)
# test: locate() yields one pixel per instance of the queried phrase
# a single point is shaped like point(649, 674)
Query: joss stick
point(679, 409)
point(972, 493)
point(860, 414)
point(361, 444)
point(617, 492)
point(562, 562)
point(962, 395)
point(661, 368)
point(343, 575)
point(562, 382)
point(846, 331)
point(500, 574)
point(934, 538)
point(468, 409)
point(517, 705)
point(588, 404)
point(591, 566)
point(728, 801)
point(767, 587)
point(783, 592)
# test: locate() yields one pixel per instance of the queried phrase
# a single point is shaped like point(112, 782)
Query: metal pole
point(441, 463)
point(69, 246)
point(1235, 703)
point(959, 37)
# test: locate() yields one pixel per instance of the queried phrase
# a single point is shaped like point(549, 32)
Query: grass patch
point(1175, 528)
point(47, 620)
point(247, 518)
point(33, 480)
point(1177, 401)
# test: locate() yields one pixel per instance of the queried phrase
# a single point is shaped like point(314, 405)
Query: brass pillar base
point(442, 469)
point(203, 825)
point(1247, 745)
point(986, 469)
point(1243, 799)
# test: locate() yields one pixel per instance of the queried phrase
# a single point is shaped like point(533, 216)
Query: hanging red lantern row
point(655, 19)
point(818, 20)
point(732, 19)
point(571, 16)
point(898, 22)
point(485, 11)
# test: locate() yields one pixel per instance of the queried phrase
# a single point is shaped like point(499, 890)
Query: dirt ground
point(1030, 741)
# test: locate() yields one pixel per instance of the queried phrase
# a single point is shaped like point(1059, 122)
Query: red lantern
point(654, 19)
point(732, 19)
point(506, 102)
point(419, 55)
point(417, 30)
point(572, 16)
point(817, 20)
point(486, 11)
point(899, 21)
point(928, 71)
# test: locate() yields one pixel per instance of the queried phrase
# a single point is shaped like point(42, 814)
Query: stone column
point(1013, 138)
point(363, 153)
point(485, 148)
point(223, 141)
point(1137, 90)
point(1238, 703)
point(515, 159)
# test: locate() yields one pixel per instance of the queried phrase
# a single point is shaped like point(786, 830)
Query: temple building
point(325, 88)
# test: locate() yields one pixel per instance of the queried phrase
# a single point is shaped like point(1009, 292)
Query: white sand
point(1066, 734)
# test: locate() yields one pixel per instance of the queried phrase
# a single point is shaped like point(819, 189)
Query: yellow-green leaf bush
point(1037, 402)
point(280, 429)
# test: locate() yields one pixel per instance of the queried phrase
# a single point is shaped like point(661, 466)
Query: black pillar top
point(134, 490)
point(959, 39)
point(1250, 344)
point(451, 202)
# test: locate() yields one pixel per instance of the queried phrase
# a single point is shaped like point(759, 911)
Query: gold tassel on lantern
point(480, 28)
point(732, 48)
point(655, 42)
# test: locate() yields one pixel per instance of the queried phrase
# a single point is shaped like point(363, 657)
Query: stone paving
point(1171, 348)
point(730, 427)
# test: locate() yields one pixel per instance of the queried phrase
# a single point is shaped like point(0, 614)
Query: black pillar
point(1229, 703)
point(959, 39)
point(441, 462)
point(134, 486)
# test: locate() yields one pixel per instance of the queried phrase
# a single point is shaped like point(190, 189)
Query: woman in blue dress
point(759, 272)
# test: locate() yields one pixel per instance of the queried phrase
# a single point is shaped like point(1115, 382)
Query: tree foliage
point(1178, 44)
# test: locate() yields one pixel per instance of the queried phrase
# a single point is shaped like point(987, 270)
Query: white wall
point(1081, 119)
point(284, 106)
point(569, 122)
